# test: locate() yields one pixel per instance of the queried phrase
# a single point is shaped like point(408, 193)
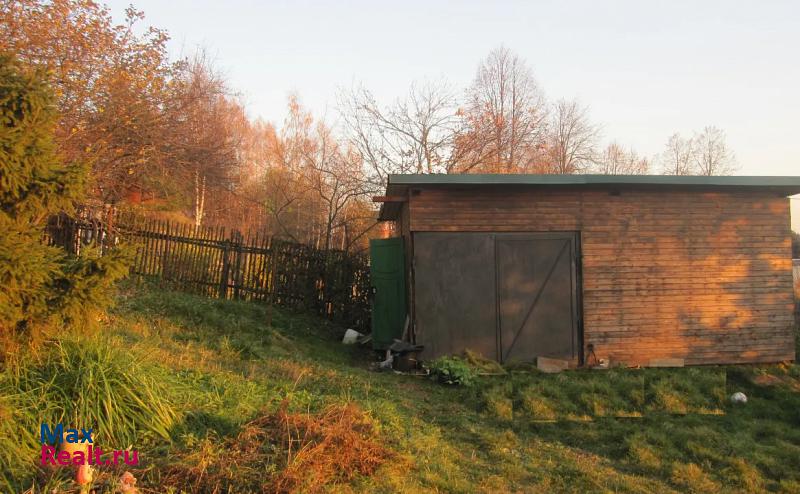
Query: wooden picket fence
point(221, 263)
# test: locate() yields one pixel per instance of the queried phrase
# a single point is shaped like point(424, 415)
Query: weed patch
point(453, 370)
point(286, 452)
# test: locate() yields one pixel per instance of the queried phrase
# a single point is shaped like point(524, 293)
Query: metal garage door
point(509, 296)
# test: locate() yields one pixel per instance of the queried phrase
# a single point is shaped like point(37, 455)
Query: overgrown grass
point(80, 383)
point(220, 366)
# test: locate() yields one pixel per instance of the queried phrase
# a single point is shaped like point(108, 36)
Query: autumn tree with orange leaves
point(110, 82)
point(142, 122)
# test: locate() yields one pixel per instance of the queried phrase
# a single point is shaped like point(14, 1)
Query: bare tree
point(615, 160)
point(504, 118)
point(334, 176)
point(311, 183)
point(712, 155)
point(412, 135)
point(572, 138)
point(678, 156)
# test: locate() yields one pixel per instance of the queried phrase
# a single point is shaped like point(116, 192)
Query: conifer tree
point(40, 286)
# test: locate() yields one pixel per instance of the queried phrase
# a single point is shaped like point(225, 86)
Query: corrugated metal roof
point(399, 184)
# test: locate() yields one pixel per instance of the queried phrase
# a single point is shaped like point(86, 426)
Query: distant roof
point(399, 184)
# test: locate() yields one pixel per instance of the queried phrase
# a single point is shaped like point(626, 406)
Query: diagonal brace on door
point(535, 301)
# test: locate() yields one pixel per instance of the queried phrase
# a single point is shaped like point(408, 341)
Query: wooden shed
point(632, 268)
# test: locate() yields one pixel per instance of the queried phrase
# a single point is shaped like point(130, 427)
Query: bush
point(453, 370)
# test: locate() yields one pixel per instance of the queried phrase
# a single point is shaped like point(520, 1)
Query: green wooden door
point(388, 290)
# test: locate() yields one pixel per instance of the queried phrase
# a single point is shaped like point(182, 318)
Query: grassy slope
point(522, 432)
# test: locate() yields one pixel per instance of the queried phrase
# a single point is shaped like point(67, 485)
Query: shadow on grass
point(201, 424)
point(751, 448)
point(251, 330)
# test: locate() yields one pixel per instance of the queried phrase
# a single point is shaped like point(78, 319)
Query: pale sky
point(646, 69)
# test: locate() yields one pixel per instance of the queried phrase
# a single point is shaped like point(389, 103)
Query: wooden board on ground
point(551, 365)
point(666, 362)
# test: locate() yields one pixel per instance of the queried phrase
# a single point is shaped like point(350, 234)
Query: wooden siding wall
point(703, 276)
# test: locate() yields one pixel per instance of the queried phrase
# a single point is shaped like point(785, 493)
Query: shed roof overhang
point(399, 185)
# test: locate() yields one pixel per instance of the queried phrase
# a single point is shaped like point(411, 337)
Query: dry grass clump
point(693, 479)
point(286, 452)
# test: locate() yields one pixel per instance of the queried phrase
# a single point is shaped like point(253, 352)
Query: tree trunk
point(199, 198)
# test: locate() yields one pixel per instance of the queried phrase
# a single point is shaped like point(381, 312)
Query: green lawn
point(240, 398)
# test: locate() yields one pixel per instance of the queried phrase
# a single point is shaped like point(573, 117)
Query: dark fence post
point(223, 277)
point(166, 260)
point(236, 239)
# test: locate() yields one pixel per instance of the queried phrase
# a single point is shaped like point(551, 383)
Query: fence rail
point(222, 263)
